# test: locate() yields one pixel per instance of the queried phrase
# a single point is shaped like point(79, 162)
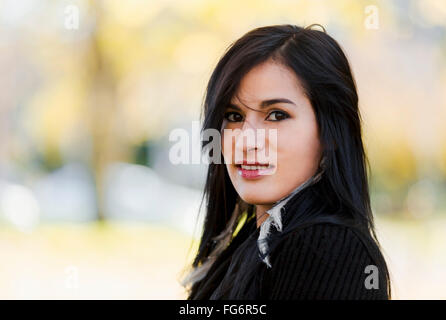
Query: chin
point(257, 198)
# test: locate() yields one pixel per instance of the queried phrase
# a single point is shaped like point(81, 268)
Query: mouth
point(253, 166)
point(254, 170)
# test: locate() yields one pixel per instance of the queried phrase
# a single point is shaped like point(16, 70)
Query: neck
point(261, 214)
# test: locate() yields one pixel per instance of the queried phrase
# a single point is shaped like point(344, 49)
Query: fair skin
point(294, 155)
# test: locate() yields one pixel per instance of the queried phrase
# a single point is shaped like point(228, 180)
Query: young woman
point(299, 225)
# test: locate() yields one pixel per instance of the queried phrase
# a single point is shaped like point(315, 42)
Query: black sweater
point(321, 261)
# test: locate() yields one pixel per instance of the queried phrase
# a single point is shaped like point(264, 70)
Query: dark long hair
point(341, 196)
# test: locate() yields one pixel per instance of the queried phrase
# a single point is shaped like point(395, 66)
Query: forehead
point(268, 80)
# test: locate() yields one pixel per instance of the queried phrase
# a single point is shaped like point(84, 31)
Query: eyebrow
point(266, 103)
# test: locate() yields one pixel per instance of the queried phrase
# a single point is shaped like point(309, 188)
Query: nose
point(254, 137)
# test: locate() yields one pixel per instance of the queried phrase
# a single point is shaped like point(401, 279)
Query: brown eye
point(277, 116)
point(233, 116)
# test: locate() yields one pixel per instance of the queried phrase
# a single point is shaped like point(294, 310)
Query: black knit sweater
point(320, 261)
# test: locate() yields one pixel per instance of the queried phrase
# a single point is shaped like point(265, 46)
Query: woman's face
point(294, 154)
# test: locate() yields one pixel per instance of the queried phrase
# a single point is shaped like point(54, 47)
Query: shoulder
point(323, 239)
point(322, 261)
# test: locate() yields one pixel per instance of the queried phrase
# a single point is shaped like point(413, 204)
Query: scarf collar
point(275, 215)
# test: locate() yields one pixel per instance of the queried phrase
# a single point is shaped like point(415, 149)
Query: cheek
point(298, 154)
point(226, 147)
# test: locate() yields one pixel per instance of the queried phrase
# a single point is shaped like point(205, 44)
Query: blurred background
point(90, 205)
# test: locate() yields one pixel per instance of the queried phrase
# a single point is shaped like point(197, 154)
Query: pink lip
point(246, 163)
point(252, 174)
